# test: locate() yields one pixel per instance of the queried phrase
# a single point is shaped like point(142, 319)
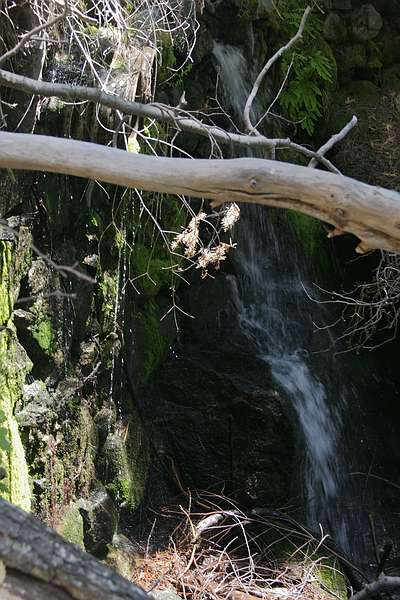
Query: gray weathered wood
point(39, 561)
point(370, 213)
point(178, 118)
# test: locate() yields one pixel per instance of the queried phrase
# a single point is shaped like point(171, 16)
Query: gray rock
point(366, 23)
point(37, 405)
point(23, 318)
point(100, 521)
point(6, 234)
point(335, 28)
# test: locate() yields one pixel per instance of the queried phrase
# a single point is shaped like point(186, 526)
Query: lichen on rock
point(14, 365)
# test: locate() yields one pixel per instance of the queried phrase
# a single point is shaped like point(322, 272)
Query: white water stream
point(275, 317)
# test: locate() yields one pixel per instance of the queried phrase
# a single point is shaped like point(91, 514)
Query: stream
point(276, 317)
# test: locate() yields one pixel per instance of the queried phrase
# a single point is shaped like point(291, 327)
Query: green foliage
point(312, 68)
point(302, 98)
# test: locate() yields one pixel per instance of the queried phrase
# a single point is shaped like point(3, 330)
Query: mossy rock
point(358, 97)
point(123, 463)
point(151, 339)
point(330, 578)
point(350, 57)
point(70, 525)
point(122, 556)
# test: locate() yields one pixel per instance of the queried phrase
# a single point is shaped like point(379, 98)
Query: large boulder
point(223, 424)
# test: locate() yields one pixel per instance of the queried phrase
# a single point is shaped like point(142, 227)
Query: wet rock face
point(222, 423)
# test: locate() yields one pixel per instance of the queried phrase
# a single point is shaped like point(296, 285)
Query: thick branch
point(370, 213)
point(158, 112)
point(266, 68)
point(384, 583)
point(33, 554)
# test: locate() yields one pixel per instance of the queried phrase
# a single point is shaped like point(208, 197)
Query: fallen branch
point(181, 120)
point(384, 583)
point(41, 565)
point(370, 213)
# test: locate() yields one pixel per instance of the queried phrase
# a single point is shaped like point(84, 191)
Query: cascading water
point(274, 315)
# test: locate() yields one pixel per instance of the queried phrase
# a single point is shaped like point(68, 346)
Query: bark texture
point(370, 213)
point(41, 564)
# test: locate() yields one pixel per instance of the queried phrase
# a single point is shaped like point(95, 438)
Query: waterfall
point(275, 316)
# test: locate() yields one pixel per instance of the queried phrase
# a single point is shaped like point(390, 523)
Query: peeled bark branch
point(384, 583)
point(41, 565)
point(182, 121)
point(370, 213)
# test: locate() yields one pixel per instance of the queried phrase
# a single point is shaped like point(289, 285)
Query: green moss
point(42, 332)
point(121, 557)
point(14, 364)
point(330, 578)
point(71, 525)
point(153, 344)
point(248, 9)
point(6, 297)
point(168, 58)
point(109, 289)
point(126, 460)
point(309, 232)
point(152, 270)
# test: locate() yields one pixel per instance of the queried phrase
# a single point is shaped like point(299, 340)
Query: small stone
point(366, 23)
point(6, 234)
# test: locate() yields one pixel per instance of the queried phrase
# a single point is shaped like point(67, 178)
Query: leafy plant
point(312, 67)
point(302, 98)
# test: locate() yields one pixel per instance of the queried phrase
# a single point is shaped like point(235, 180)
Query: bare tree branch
point(334, 140)
point(25, 39)
point(384, 583)
point(370, 213)
point(159, 112)
point(249, 102)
